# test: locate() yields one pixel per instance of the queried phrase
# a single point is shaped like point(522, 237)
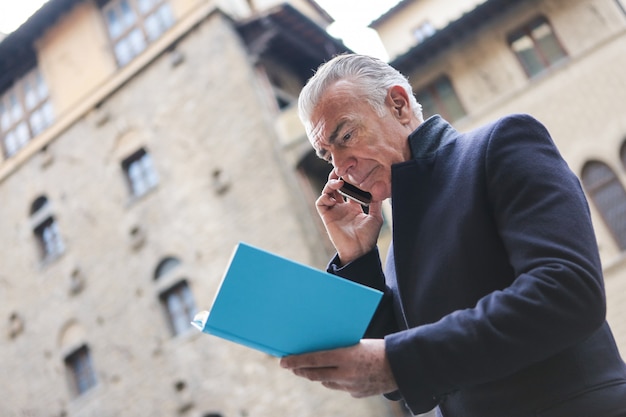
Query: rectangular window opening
point(133, 24)
point(80, 369)
point(536, 46)
point(179, 306)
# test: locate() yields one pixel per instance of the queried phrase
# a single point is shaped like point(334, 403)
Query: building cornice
point(286, 34)
point(17, 49)
point(457, 31)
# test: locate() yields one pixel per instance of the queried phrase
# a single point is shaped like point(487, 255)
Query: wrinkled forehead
point(319, 126)
point(315, 132)
point(334, 106)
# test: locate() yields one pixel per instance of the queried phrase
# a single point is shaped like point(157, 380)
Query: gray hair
point(374, 76)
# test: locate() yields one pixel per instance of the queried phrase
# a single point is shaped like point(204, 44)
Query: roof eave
point(454, 33)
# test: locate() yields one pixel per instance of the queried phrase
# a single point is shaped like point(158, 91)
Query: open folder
point(282, 307)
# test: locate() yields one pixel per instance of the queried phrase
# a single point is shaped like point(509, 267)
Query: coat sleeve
point(557, 297)
point(367, 270)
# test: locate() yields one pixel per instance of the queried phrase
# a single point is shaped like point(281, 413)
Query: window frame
point(49, 238)
point(181, 292)
point(140, 173)
point(134, 36)
point(525, 31)
point(25, 111)
point(423, 31)
point(442, 105)
point(621, 4)
point(595, 186)
point(80, 370)
point(46, 230)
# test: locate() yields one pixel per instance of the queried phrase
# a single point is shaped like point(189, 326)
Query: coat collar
point(429, 137)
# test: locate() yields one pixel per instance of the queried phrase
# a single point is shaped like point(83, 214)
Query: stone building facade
point(142, 150)
point(130, 169)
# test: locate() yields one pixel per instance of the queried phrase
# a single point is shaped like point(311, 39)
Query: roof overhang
point(456, 32)
point(287, 35)
point(17, 49)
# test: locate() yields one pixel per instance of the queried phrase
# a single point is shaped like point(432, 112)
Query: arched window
point(165, 266)
point(39, 203)
point(176, 296)
point(609, 197)
point(80, 370)
point(179, 306)
point(45, 229)
point(77, 358)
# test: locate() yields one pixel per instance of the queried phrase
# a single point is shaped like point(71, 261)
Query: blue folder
point(282, 307)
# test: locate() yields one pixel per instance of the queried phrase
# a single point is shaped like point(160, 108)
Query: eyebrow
point(332, 139)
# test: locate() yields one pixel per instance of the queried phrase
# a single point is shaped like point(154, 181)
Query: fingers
point(361, 370)
point(317, 374)
point(332, 385)
point(330, 196)
point(375, 210)
point(321, 359)
point(346, 388)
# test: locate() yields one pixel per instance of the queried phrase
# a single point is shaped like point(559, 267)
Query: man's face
point(360, 144)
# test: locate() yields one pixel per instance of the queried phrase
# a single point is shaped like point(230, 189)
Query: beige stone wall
point(397, 33)
point(194, 118)
point(75, 56)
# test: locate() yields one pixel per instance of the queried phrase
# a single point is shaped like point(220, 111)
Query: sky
point(15, 12)
point(351, 20)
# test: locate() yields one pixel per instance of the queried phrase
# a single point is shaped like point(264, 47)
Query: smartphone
point(353, 193)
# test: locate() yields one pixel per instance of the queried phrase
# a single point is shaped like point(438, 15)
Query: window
point(439, 97)
point(49, 239)
point(140, 173)
point(176, 297)
point(25, 112)
point(179, 306)
point(423, 31)
point(133, 24)
point(608, 195)
point(536, 46)
point(285, 85)
point(165, 266)
point(80, 370)
point(622, 5)
point(46, 230)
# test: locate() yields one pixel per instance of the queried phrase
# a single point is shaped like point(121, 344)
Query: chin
point(377, 198)
point(380, 192)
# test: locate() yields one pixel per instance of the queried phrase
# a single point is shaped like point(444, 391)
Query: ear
point(398, 101)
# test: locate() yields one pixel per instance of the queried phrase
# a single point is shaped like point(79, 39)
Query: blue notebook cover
point(282, 307)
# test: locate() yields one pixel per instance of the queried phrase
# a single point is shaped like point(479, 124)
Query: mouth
point(362, 183)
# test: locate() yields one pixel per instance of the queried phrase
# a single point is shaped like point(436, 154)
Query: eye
point(326, 156)
point(347, 137)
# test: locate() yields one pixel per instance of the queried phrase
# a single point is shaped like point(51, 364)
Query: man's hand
point(361, 370)
point(353, 232)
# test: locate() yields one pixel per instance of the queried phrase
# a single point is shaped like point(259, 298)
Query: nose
point(343, 163)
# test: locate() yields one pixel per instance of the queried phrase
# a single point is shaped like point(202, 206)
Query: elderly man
point(493, 292)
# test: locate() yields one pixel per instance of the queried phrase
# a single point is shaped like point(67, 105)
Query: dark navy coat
point(494, 299)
